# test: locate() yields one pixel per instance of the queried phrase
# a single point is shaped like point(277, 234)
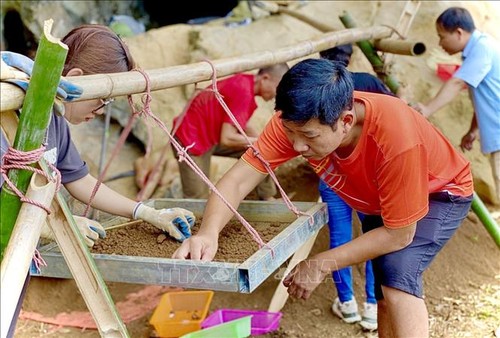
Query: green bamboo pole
point(371, 54)
point(484, 215)
point(33, 122)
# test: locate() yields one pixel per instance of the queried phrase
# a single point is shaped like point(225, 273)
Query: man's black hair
point(315, 89)
point(456, 17)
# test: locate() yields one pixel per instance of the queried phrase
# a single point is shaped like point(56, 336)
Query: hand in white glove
point(90, 230)
point(177, 222)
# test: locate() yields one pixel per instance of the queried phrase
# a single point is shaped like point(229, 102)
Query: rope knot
point(145, 98)
point(256, 152)
point(38, 261)
point(183, 152)
point(17, 159)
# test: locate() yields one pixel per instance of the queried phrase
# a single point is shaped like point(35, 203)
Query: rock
point(316, 312)
point(161, 238)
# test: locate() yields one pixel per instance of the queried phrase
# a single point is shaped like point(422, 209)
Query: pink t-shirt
point(399, 160)
point(203, 120)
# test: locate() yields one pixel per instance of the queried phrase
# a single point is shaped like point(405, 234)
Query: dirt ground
point(462, 286)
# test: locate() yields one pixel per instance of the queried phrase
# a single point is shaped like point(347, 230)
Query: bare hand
point(197, 247)
point(145, 165)
point(467, 141)
point(304, 278)
point(421, 109)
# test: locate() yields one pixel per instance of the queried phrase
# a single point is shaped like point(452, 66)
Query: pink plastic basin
point(262, 321)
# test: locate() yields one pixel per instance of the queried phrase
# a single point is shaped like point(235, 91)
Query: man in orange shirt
point(380, 156)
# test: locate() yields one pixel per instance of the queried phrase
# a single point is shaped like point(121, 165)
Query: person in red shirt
point(379, 155)
point(206, 129)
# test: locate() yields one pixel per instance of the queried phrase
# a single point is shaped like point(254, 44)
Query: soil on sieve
point(145, 240)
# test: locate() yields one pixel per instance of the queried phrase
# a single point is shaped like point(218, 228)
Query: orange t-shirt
point(399, 160)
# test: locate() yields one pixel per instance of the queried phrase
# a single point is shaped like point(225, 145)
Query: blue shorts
point(402, 269)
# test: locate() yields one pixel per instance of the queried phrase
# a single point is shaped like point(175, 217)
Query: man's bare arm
point(446, 94)
point(230, 137)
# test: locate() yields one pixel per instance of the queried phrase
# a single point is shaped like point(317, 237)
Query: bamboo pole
point(484, 215)
point(33, 123)
point(118, 84)
point(304, 18)
point(280, 295)
point(19, 252)
point(84, 270)
point(371, 54)
point(402, 47)
point(116, 226)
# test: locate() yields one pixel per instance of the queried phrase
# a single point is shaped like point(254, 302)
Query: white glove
point(177, 222)
point(90, 230)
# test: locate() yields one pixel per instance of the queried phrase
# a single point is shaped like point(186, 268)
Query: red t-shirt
point(203, 120)
point(399, 160)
